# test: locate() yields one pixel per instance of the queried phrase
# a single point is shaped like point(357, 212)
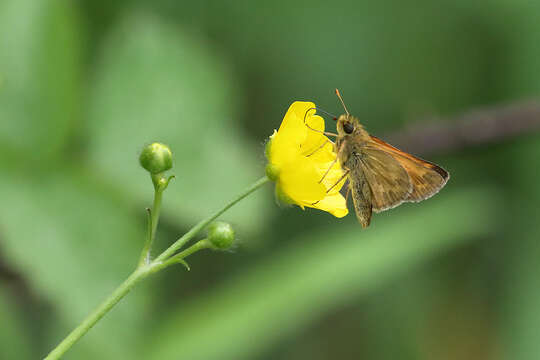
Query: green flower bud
point(220, 235)
point(156, 158)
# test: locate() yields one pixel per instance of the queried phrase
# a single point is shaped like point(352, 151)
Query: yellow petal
point(334, 204)
point(315, 138)
point(293, 129)
point(287, 142)
point(324, 154)
point(301, 110)
point(315, 122)
point(282, 151)
point(300, 156)
point(299, 180)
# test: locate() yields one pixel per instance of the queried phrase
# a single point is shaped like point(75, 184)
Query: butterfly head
point(347, 125)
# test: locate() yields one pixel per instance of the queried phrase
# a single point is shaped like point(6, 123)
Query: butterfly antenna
point(342, 103)
point(334, 117)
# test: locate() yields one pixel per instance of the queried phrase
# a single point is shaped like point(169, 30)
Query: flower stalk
point(302, 163)
point(160, 184)
point(147, 266)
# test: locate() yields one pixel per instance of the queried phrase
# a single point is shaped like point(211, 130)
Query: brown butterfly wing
point(389, 182)
point(426, 178)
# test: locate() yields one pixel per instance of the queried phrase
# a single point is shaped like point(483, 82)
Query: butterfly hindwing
point(389, 182)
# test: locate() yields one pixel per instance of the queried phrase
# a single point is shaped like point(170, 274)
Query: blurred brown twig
point(474, 128)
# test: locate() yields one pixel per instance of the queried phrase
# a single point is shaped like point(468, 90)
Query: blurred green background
point(84, 85)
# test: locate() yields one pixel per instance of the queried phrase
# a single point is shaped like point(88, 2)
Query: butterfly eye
point(348, 128)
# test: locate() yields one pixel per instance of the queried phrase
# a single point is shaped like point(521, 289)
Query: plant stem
point(144, 269)
point(202, 224)
point(98, 313)
point(152, 226)
point(178, 258)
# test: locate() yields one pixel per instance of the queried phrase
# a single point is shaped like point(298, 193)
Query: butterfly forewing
point(426, 178)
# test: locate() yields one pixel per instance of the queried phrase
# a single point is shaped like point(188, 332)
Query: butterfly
point(381, 176)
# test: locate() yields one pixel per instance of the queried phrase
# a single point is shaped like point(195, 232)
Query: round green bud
point(221, 235)
point(156, 158)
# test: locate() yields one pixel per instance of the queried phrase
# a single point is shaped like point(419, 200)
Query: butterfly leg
point(337, 182)
point(331, 187)
point(320, 147)
point(327, 171)
point(333, 163)
point(322, 132)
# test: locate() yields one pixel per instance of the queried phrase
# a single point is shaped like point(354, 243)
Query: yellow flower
point(298, 159)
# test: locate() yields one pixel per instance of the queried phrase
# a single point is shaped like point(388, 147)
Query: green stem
point(202, 224)
point(153, 223)
point(162, 261)
point(179, 258)
point(98, 313)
